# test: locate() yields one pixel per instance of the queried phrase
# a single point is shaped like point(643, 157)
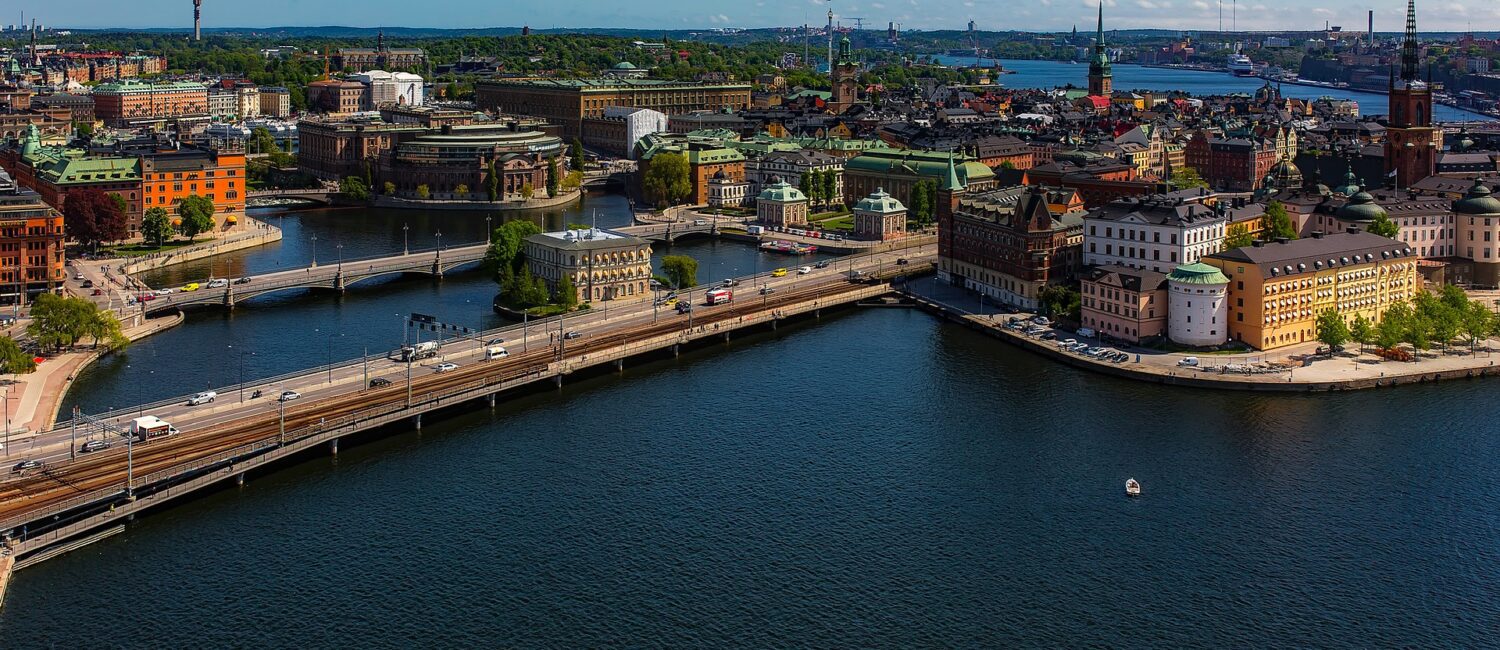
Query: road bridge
point(334, 277)
point(74, 493)
point(315, 194)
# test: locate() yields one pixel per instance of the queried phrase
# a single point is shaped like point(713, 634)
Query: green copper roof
point(1478, 200)
point(1361, 207)
point(879, 202)
point(932, 164)
point(781, 192)
point(1197, 273)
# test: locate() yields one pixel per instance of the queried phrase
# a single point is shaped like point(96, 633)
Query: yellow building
point(1277, 290)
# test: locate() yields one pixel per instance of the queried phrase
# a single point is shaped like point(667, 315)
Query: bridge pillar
point(620, 364)
point(492, 400)
point(557, 380)
point(338, 281)
point(416, 421)
point(240, 480)
point(676, 350)
point(229, 296)
point(437, 264)
point(333, 447)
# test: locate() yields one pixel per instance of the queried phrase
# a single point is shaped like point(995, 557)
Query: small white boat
point(1132, 487)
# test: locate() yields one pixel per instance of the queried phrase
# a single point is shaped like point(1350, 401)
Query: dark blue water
point(875, 479)
point(1051, 74)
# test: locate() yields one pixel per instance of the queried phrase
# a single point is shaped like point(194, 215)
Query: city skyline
point(1042, 15)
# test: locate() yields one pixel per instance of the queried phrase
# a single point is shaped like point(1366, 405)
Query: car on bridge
point(94, 445)
point(288, 395)
point(572, 334)
point(804, 270)
point(191, 286)
point(445, 367)
point(779, 273)
point(244, 280)
point(204, 397)
point(218, 284)
point(379, 382)
point(25, 465)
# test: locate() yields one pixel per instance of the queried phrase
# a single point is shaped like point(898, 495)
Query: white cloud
point(1200, 5)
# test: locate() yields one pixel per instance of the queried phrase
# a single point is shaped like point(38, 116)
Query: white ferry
point(1241, 66)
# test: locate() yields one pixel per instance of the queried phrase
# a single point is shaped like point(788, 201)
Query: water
point(1050, 74)
point(875, 479)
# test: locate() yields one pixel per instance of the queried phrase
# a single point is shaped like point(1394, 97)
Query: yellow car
point(190, 287)
point(778, 273)
point(670, 303)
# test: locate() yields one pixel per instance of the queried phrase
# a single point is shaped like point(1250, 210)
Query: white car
point(1188, 361)
point(204, 397)
point(804, 270)
point(218, 284)
point(288, 395)
point(165, 292)
point(445, 367)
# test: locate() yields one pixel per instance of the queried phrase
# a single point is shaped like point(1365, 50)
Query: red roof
point(1098, 101)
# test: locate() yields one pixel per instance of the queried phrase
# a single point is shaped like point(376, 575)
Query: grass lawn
point(828, 215)
point(137, 250)
point(845, 222)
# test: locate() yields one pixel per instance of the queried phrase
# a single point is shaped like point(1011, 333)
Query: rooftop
point(1314, 254)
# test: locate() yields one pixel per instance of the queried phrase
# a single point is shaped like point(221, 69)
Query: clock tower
point(1411, 142)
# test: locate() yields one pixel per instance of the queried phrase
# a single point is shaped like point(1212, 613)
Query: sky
point(1036, 15)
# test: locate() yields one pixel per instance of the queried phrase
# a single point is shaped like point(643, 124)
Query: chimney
point(1352, 229)
point(1257, 243)
point(1283, 240)
point(1317, 234)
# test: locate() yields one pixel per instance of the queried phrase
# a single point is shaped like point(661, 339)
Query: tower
point(1101, 80)
point(197, 20)
point(830, 40)
point(1411, 142)
point(845, 83)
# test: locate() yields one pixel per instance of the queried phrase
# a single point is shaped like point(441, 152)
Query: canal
point(875, 478)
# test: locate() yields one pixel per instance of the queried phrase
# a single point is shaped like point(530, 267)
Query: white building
point(725, 192)
point(1197, 305)
point(222, 103)
point(790, 166)
point(247, 102)
point(383, 88)
point(639, 123)
point(1156, 233)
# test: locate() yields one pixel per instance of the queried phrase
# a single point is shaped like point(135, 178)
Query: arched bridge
point(669, 232)
point(316, 194)
point(336, 276)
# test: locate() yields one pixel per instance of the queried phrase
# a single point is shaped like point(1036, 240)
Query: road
point(528, 344)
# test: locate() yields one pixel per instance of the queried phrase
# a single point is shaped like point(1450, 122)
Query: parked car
point(204, 397)
point(445, 367)
point(1049, 336)
point(1041, 320)
point(379, 382)
point(288, 395)
point(1085, 331)
point(94, 445)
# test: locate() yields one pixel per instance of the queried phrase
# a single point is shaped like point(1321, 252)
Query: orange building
point(136, 103)
point(31, 243)
point(169, 177)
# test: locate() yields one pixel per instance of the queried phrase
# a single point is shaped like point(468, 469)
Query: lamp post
point(439, 236)
point(242, 373)
point(488, 233)
point(405, 239)
point(315, 249)
point(340, 247)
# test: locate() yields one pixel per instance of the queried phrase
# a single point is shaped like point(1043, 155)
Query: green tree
point(14, 360)
point(576, 155)
point(666, 181)
point(355, 188)
point(507, 248)
point(527, 191)
point(1362, 331)
point(553, 180)
point(1278, 222)
point(1061, 301)
point(567, 293)
point(1477, 323)
point(572, 181)
point(390, 188)
point(806, 183)
point(1238, 239)
point(830, 183)
point(1332, 330)
point(424, 192)
point(1383, 226)
point(84, 130)
point(461, 190)
point(58, 322)
point(197, 214)
point(156, 226)
point(492, 182)
point(681, 270)
point(261, 141)
point(923, 202)
point(1187, 178)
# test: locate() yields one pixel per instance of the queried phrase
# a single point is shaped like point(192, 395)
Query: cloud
point(877, 5)
point(1200, 5)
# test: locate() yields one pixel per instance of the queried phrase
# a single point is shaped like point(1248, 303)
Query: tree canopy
point(92, 217)
point(1278, 222)
point(666, 181)
point(58, 322)
point(197, 214)
point(14, 360)
point(682, 270)
point(156, 226)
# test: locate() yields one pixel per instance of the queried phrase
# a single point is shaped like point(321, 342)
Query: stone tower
point(1411, 142)
point(845, 79)
point(1101, 80)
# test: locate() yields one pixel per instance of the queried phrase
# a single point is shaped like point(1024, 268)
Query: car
point(94, 445)
point(1189, 362)
point(778, 273)
point(495, 342)
point(78, 276)
point(98, 292)
point(1085, 331)
point(670, 302)
point(767, 290)
point(88, 284)
point(288, 395)
point(901, 261)
point(804, 270)
point(1041, 320)
point(729, 282)
point(1049, 336)
point(379, 382)
point(822, 264)
point(146, 297)
point(242, 281)
point(26, 464)
point(165, 292)
point(191, 286)
point(684, 307)
point(218, 284)
point(445, 367)
point(204, 397)
point(700, 222)
point(572, 334)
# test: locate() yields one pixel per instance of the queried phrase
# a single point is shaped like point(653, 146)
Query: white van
point(1084, 331)
point(495, 352)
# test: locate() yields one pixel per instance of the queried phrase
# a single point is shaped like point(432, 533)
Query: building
point(1198, 303)
point(54, 172)
point(1008, 244)
point(335, 97)
point(1124, 303)
point(382, 88)
point(80, 108)
point(726, 192)
point(133, 103)
point(1277, 290)
point(601, 264)
point(621, 127)
point(1101, 79)
point(1238, 164)
point(359, 59)
point(222, 104)
point(31, 243)
point(896, 170)
point(879, 217)
point(781, 205)
point(569, 102)
point(1157, 232)
point(845, 76)
point(1478, 217)
point(790, 165)
point(168, 177)
point(1412, 143)
point(275, 101)
point(706, 156)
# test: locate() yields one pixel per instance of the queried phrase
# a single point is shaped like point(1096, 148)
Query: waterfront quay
point(74, 493)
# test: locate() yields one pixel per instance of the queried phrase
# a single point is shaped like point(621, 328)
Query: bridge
point(60, 504)
point(604, 178)
point(670, 232)
point(316, 194)
point(336, 276)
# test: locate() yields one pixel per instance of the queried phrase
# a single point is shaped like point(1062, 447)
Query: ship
point(788, 247)
point(1241, 66)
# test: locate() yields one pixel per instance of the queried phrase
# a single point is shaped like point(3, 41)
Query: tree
point(527, 191)
point(58, 322)
point(492, 182)
point(567, 293)
point(424, 192)
point(1383, 226)
point(1362, 331)
point(830, 188)
point(390, 188)
point(1238, 239)
point(1061, 301)
point(576, 155)
point(552, 178)
point(1393, 325)
point(1332, 330)
point(1278, 222)
point(681, 270)
point(261, 141)
point(355, 188)
point(666, 180)
point(805, 185)
point(923, 202)
point(93, 217)
point(156, 226)
point(1186, 178)
point(572, 181)
point(1477, 323)
point(14, 360)
point(507, 247)
point(461, 190)
point(197, 214)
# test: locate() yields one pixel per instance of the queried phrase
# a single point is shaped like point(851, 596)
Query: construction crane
point(859, 23)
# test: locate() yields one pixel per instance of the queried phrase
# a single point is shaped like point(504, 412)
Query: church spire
point(1409, 46)
point(1099, 37)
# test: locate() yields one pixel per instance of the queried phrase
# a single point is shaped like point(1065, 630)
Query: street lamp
point(242, 373)
point(439, 236)
point(487, 232)
point(340, 247)
point(315, 249)
point(405, 240)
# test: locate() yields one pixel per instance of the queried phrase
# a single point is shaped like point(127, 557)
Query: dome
point(1350, 186)
point(624, 65)
point(1285, 175)
point(879, 202)
point(1478, 200)
point(1360, 207)
point(720, 175)
point(781, 192)
point(1197, 273)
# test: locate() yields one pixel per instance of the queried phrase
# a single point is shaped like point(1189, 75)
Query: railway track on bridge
point(92, 482)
